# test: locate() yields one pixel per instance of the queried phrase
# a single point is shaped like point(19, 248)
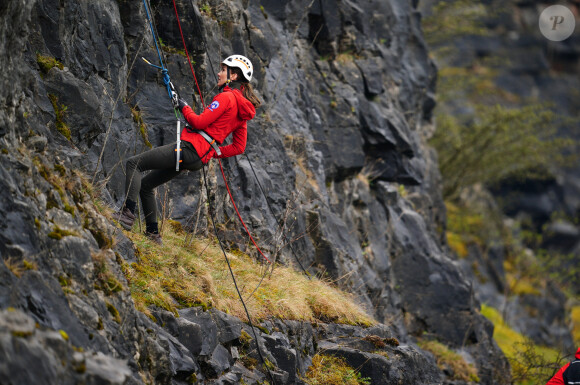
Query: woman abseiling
point(227, 114)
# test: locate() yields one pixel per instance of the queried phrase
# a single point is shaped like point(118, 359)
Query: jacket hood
point(246, 110)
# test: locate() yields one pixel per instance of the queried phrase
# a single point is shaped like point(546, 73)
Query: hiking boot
point(155, 237)
point(125, 218)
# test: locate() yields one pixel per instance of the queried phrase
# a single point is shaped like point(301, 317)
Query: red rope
point(239, 216)
point(187, 54)
point(221, 168)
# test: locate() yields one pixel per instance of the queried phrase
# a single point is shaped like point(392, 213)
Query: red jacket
point(573, 375)
point(227, 114)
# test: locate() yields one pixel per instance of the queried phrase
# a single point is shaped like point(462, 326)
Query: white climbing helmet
point(242, 63)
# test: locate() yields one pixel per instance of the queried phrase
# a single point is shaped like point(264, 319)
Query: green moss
point(114, 312)
point(37, 223)
point(69, 209)
point(105, 279)
point(64, 280)
point(60, 112)
point(103, 240)
point(21, 334)
point(46, 63)
point(245, 339)
point(58, 233)
point(60, 169)
point(29, 265)
point(138, 118)
point(382, 353)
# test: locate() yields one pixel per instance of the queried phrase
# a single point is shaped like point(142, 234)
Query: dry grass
point(448, 359)
point(330, 370)
point(174, 276)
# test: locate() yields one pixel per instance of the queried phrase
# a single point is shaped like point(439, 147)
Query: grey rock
point(209, 340)
point(219, 361)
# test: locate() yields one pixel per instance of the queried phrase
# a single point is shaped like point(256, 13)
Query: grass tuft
point(447, 359)
point(330, 370)
point(174, 276)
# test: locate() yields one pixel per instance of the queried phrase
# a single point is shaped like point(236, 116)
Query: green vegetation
point(171, 50)
point(138, 118)
point(176, 275)
point(451, 19)
point(60, 112)
point(114, 312)
point(58, 233)
point(499, 138)
point(105, 280)
point(330, 370)
point(497, 143)
point(530, 363)
point(447, 359)
point(45, 63)
point(575, 315)
point(496, 136)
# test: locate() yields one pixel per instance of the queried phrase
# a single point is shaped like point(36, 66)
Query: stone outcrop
point(340, 144)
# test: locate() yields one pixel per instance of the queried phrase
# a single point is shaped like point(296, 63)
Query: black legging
point(162, 161)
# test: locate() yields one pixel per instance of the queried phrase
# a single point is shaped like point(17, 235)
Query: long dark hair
point(245, 87)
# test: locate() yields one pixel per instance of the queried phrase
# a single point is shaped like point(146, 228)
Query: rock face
point(340, 144)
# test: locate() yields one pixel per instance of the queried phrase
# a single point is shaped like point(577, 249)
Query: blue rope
point(164, 70)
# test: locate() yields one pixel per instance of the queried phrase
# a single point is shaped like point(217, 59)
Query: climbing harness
point(212, 142)
point(170, 89)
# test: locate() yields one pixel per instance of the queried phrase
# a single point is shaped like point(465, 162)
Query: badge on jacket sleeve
point(214, 105)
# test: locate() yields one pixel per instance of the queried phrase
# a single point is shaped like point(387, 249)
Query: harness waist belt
point(211, 141)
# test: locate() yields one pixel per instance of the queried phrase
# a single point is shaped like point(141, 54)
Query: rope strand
point(187, 54)
point(239, 215)
point(235, 281)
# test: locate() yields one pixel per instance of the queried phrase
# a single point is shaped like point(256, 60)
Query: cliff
point(339, 147)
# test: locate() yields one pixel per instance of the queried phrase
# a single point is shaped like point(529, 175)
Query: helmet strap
point(228, 71)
